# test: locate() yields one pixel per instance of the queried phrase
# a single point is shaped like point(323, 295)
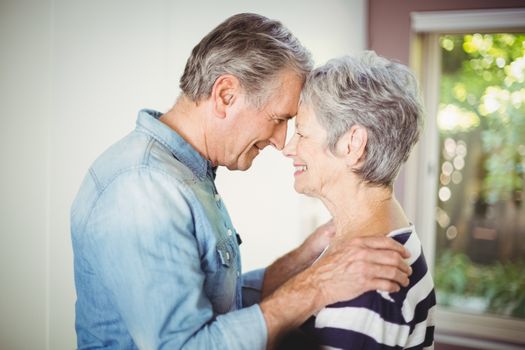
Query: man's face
point(255, 128)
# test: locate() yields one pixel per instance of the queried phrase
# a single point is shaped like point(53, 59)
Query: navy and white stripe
point(380, 320)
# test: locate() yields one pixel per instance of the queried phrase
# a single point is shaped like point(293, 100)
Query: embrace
point(157, 261)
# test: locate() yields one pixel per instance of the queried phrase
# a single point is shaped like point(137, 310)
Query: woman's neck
point(364, 210)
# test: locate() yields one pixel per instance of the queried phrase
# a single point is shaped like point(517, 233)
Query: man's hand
point(314, 245)
point(351, 267)
point(348, 269)
point(298, 259)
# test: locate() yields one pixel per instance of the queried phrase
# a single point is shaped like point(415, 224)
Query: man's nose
point(279, 136)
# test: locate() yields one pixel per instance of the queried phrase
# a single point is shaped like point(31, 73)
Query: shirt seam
point(197, 172)
point(147, 151)
point(127, 170)
point(94, 176)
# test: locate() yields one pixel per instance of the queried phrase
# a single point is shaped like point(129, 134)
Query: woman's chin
point(302, 190)
point(298, 188)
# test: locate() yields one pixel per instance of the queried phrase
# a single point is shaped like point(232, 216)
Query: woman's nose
point(289, 148)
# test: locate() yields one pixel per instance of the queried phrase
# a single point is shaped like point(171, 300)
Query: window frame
point(421, 170)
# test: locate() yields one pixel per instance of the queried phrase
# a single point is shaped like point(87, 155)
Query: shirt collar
point(148, 121)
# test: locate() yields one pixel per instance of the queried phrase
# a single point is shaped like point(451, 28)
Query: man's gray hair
point(373, 92)
point(252, 48)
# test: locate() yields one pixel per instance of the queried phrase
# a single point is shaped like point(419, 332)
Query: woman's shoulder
point(377, 319)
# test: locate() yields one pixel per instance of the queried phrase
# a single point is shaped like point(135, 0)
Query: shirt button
point(217, 197)
point(238, 273)
point(227, 256)
point(230, 232)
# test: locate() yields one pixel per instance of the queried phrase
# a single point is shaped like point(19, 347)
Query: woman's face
point(316, 168)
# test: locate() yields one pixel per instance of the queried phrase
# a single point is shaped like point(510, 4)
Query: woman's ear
point(223, 94)
point(353, 145)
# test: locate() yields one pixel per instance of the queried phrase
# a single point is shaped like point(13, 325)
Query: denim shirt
point(156, 257)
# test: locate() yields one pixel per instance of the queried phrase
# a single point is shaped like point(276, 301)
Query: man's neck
point(189, 120)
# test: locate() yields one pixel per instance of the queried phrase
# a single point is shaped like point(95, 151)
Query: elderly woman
point(357, 123)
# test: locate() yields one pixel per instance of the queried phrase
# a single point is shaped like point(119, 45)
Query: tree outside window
point(480, 214)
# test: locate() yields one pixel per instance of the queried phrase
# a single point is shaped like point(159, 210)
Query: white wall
point(73, 75)
point(25, 99)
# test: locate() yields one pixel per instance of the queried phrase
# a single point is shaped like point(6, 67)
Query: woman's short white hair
point(376, 93)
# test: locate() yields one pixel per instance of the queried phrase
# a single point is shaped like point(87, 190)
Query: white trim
point(454, 21)
point(421, 174)
point(458, 325)
point(473, 343)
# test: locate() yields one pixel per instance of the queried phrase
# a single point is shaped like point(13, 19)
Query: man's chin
point(245, 166)
point(241, 166)
point(245, 160)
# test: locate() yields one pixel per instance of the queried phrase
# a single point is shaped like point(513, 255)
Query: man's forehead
point(287, 94)
point(285, 114)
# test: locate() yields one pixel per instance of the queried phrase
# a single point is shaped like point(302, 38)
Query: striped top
point(381, 320)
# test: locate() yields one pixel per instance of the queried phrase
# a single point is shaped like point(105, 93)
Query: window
point(480, 214)
point(471, 160)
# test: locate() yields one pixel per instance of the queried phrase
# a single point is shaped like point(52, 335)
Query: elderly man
point(157, 263)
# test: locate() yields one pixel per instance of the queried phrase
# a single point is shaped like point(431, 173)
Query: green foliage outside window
point(500, 287)
point(480, 241)
point(484, 81)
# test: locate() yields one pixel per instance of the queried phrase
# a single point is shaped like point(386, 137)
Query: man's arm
point(140, 244)
point(345, 272)
point(298, 259)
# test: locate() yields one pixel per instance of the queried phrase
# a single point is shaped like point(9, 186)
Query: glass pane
point(480, 212)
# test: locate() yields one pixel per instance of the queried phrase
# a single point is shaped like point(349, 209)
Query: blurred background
point(74, 74)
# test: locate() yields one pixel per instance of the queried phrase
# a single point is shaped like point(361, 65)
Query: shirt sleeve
point(140, 239)
point(252, 283)
point(376, 321)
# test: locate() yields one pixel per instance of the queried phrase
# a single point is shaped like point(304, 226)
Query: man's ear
point(353, 145)
point(224, 92)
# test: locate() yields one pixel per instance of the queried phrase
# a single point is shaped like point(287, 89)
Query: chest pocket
point(222, 293)
point(225, 255)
